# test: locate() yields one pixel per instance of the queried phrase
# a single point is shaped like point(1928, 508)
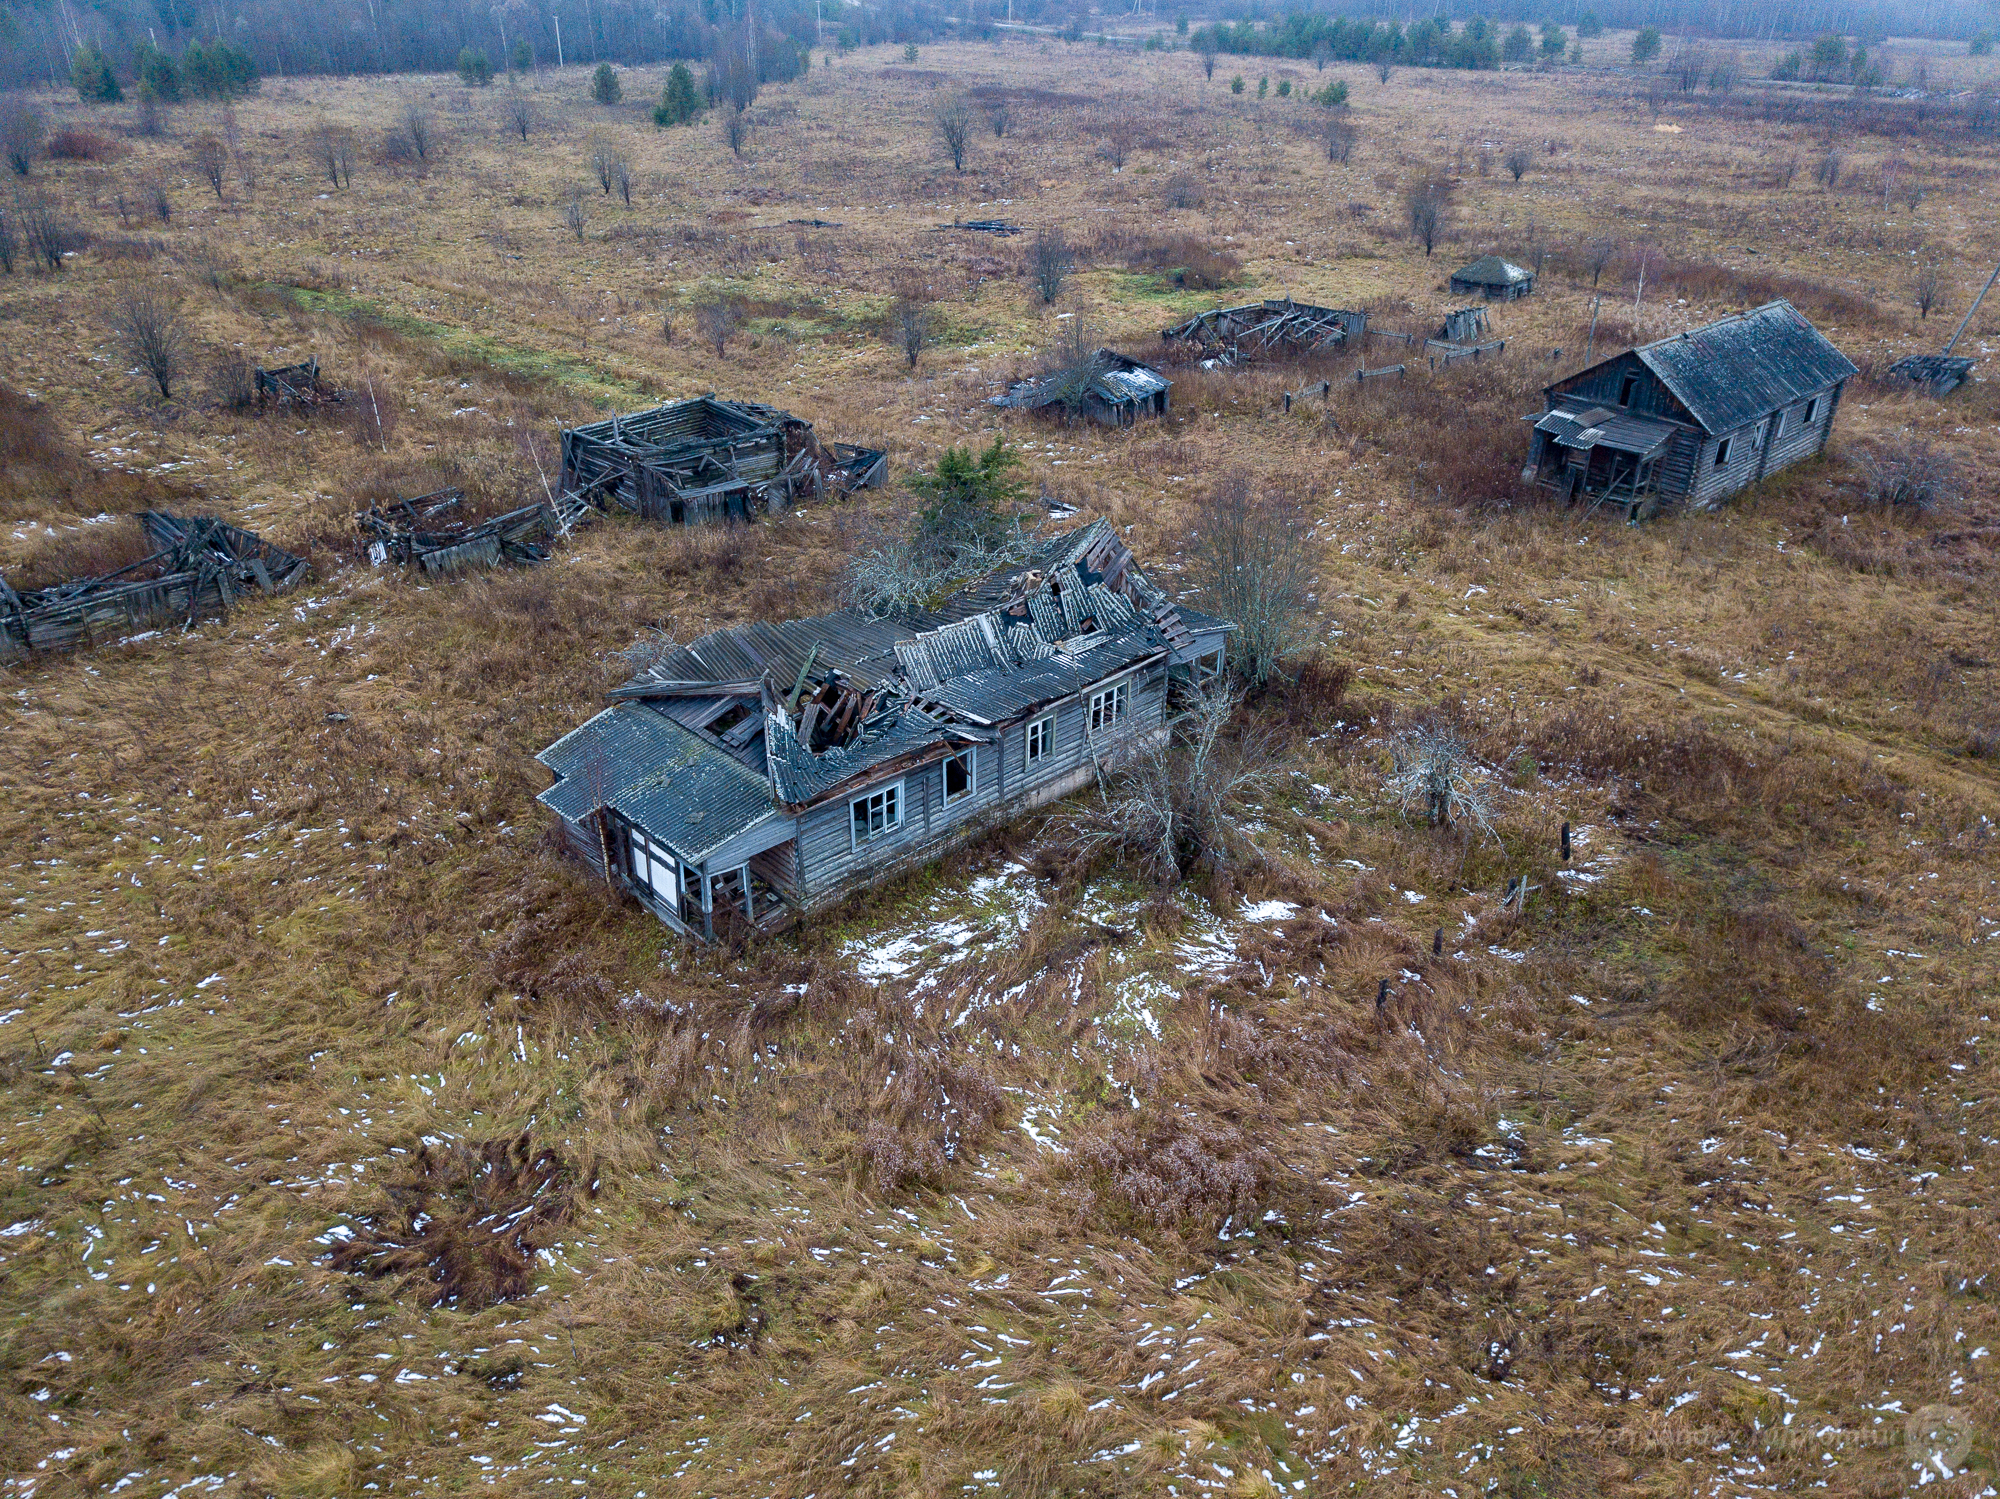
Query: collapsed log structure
point(203, 565)
point(1111, 389)
point(1273, 327)
point(427, 532)
point(708, 459)
point(769, 770)
point(1463, 325)
point(294, 385)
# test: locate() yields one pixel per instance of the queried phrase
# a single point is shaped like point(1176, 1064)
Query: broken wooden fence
point(1450, 354)
point(203, 565)
point(1361, 375)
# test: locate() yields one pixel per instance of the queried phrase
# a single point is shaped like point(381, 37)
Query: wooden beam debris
point(294, 385)
point(1230, 335)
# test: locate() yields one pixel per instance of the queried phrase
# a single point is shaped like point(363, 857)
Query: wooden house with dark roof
point(765, 771)
point(1109, 388)
point(1495, 279)
point(1692, 419)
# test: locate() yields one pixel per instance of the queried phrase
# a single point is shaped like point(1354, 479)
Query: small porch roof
point(1591, 427)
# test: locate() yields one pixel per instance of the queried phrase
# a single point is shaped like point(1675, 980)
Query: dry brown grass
point(279, 905)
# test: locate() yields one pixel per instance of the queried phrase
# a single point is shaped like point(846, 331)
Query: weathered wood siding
point(1755, 452)
point(830, 864)
point(1603, 385)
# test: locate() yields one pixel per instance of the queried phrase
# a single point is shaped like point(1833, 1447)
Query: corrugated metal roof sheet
point(1578, 424)
point(1744, 367)
point(681, 789)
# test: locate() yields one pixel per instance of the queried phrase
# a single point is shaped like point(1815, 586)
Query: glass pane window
point(1041, 739)
point(1110, 705)
point(652, 868)
point(877, 813)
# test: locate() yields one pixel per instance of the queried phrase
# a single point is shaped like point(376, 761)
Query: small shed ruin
point(1694, 418)
point(203, 565)
point(709, 459)
point(1494, 279)
point(1109, 388)
point(1277, 326)
point(431, 532)
point(766, 771)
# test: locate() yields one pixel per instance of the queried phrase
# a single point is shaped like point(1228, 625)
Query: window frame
point(1043, 727)
point(969, 758)
point(1119, 692)
point(1628, 388)
point(888, 790)
point(641, 847)
point(1811, 411)
point(1722, 452)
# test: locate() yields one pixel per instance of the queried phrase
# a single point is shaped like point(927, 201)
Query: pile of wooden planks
point(426, 532)
point(294, 385)
point(202, 566)
point(1231, 335)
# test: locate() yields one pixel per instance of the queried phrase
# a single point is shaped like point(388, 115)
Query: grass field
point(1010, 1177)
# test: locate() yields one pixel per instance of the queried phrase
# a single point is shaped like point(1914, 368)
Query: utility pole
point(558, 21)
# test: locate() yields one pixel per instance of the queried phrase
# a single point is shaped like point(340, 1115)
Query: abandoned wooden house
point(1276, 326)
point(1495, 279)
point(1694, 418)
point(707, 459)
point(1108, 388)
point(432, 533)
point(201, 567)
point(765, 771)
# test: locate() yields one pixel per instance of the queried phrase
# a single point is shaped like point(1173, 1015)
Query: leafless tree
point(1253, 556)
point(417, 127)
point(621, 180)
point(716, 319)
point(1517, 162)
point(1067, 367)
point(1340, 137)
point(1689, 65)
point(605, 160)
point(1050, 260)
point(333, 148)
point(48, 234)
point(151, 118)
point(210, 161)
point(573, 215)
point(1383, 68)
point(1204, 49)
point(1907, 473)
point(21, 132)
point(1183, 190)
point(10, 241)
point(151, 333)
point(1597, 255)
point(517, 112)
point(1784, 169)
point(893, 570)
point(1926, 287)
point(1322, 54)
point(1177, 811)
point(1827, 173)
point(1437, 773)
point(1121, 138)
point(153, 192)
point(1427, 202)
point(912, 321)
point(954, 128)
point(735, 129)
point(999, 117)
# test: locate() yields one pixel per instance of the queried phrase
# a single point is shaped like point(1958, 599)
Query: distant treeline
point(40, 39)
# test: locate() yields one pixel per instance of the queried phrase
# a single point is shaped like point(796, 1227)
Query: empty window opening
point(1812, 409)
point(1110, 705)
point(1628, 389)
point(1722, 453)
point(958, 780)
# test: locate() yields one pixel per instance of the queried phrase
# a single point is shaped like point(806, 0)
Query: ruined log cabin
point(1495, 279)
point(765, 771)
point(1692, 419)
point(1109, 388)
point(201, 567)
point(708, 459)
point(1276, 326)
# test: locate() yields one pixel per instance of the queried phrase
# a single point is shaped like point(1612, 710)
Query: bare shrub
point(150, 120)
point(912, 321)
point(47, 231)
point(954, 128)
point(1120, 136)
point(1175, 812)
point(1517, 162)
point(1926, 287)
point(10, 241)
point(1426, 206)
point(1051, 258)
point(1252, 554)
point(74, 143)
point(418, 130)
point(1174, 1167)
point(606, 162)
point(1183, 190)
point(232, 384)
point(1340, 135)
point(210, 161)
point(152, 334)
point(621, 180)
point(469, 1219)
point(716, 319)
point(1908, 474)
point(1783, 170)
point(21, 133)
point(573, 214)
point(517, 113)
point(1827, 173)
point(999, 117)
point(333, 148)
point(735, 130)
point(1438, 774)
